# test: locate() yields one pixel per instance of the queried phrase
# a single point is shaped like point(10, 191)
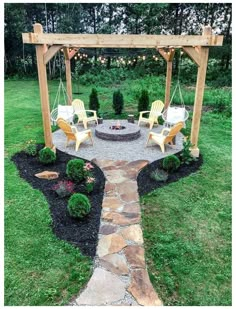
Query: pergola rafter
point(196, 46)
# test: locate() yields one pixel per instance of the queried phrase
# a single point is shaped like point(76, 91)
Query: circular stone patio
point(117, 150)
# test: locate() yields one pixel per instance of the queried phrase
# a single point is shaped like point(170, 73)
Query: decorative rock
point(103, 288)
point(107, 229)
point(142, 290)
point(113, 203)
point(47, 175)
point(110, 244)
point(132, 208)
point(133, 233)
point(121, 218)
point(135, 256)
point(115, 263)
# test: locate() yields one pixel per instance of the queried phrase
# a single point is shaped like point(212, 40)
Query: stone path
point(120, 276)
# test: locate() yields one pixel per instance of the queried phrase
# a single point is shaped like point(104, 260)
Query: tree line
point(123, 18)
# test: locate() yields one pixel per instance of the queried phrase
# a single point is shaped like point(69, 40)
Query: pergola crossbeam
point(51, 53)
point(121, 40)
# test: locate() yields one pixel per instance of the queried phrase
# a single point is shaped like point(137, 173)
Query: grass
point(39, 268)
point(189, 251)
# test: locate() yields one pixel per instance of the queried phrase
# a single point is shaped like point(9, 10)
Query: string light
point(75, 57)
point(181, 52)
point(144, 57)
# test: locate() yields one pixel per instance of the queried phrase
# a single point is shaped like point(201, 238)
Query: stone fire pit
point(114, 130)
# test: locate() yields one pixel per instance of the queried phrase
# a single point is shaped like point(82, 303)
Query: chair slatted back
point(156, 109)
point(66, 128)
point(173, 132)
point(79, 108)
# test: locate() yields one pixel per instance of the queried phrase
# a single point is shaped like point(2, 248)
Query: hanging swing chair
point(61, 110)
point(175, 114)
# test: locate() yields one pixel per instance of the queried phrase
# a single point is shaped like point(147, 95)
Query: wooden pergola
point(196, 46)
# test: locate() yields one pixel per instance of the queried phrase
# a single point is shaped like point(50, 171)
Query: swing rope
point(177, 87)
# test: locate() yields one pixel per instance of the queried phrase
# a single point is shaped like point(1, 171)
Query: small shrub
point(47, 156)
point(159, 175)
point(78, 205)
point(31, 148)
point(90, 182)
point(185, 155)
point(93, 100)
point(118, 102)
point(143, 102)
point(75, 170)
point(171, 163)
point(64, 188)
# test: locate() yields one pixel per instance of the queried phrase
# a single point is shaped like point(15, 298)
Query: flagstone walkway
point(120, 275)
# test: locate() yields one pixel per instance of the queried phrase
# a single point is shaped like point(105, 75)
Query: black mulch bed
point(82, 233)
point(146, 184)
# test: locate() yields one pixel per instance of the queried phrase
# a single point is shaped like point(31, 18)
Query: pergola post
point(199, 93)
point(168, 56)
point(68, 75)
point(41, 50)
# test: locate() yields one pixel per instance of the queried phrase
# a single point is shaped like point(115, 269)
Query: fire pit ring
point(109, 130)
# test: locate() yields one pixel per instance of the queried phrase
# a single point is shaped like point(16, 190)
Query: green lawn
point(187, 224)
point(39, 268)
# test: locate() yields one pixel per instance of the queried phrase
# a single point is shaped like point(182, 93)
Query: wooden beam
point(121, 40)
point(68, 75)
point(193, 53)
point(168, 83)
point(51, 52)
point(197, 109)
point(41, 50)
point(72, 54)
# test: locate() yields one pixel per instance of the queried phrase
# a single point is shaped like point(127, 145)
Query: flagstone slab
point(115, 176)
point(110, 244)
point(142, 290)
point(112, 203)
point(135, 256)
point(138, 164)
point(133, 233)
point(127, 186)
point(115, 263)
point(132, 208)
point(107, 229)
point(102, 289)
point(129, 196)
point(121, 218)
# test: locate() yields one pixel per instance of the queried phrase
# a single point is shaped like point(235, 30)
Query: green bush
point(143, 102)
point(93, 100)
point(75, 170)
point(171, 163)
point(78, 205)
point(47, 156)
point(31, 148)
point(118, 102)
point(185, 155)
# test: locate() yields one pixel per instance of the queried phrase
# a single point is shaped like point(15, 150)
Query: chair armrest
point(165, 129)
point(74, 129)
point(91, 111)
point(144, 112)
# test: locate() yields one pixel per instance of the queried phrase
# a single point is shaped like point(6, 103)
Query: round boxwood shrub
point(75, 170)
point(78, 205)
point(47, 156)
point(171, 163)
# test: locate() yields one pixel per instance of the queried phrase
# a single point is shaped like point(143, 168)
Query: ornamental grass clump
point(171, 163)
point(79, 205)
point(47, 156)
point(159, 175)
point(75, 170)
point(64, 188)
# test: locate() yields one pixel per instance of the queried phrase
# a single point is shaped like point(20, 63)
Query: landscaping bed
point(146, 184)
point(82, 233)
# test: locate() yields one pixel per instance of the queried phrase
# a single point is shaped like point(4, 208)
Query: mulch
point(82, 233)
point(146, 184)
